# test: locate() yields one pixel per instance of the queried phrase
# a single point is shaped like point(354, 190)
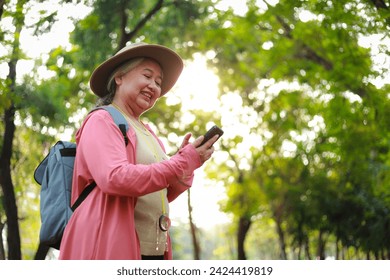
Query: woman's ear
point(118, 79)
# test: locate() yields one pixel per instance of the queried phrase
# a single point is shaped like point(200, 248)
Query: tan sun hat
point(170, 62)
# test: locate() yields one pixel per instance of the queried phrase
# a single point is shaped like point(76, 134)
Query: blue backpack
point(55, 174)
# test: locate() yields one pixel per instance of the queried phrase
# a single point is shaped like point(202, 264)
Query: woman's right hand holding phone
point(206, 150)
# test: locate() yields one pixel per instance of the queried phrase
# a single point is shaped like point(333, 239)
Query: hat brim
point(170, 62)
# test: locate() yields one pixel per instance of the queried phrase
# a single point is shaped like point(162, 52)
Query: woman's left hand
point(186, 140)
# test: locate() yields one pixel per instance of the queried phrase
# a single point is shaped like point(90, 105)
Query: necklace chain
point(149, 142)
point(137, 124)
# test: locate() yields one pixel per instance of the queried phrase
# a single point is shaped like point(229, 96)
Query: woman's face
point(139, 88)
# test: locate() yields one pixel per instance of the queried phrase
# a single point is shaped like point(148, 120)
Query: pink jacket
point(102, 227)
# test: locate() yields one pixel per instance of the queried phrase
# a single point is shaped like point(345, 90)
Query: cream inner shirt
point(149, 208)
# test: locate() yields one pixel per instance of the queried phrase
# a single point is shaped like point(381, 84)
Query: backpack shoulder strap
point(83, 195)
point(119, 120)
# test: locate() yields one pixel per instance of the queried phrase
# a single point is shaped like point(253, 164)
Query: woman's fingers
point(206, 150)
point(186, 140)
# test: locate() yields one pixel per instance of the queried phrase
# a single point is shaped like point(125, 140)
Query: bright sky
point(197, 88)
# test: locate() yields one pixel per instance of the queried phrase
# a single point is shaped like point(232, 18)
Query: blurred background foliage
point(303, 98)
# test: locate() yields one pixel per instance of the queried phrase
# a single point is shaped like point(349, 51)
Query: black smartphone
point(215, 130)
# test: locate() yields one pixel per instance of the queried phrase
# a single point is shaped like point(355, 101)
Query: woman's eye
point(157, 82)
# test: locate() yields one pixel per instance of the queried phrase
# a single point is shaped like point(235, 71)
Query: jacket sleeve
point(112, 164)
point(178, 185)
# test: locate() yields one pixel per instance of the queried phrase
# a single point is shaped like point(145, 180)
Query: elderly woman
point(127, 215)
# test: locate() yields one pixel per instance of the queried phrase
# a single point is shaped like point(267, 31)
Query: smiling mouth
point(147, 95)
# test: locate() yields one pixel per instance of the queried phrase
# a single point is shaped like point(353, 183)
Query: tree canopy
point(304, 102)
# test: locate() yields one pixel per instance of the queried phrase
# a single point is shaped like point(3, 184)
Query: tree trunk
point(2, 251)
point(282, 243)
point(307, 248)
point(321, 246)
point(244, 224)
point(2, 2)
point(11, 210)
point(194, 230)
point(299, 251)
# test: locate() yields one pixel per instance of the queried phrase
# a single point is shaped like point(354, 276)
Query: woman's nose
point(153, 86)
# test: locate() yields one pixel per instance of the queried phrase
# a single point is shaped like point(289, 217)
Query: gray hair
point(111, 85)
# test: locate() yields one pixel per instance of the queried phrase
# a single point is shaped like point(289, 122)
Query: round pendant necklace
point(164, 221)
